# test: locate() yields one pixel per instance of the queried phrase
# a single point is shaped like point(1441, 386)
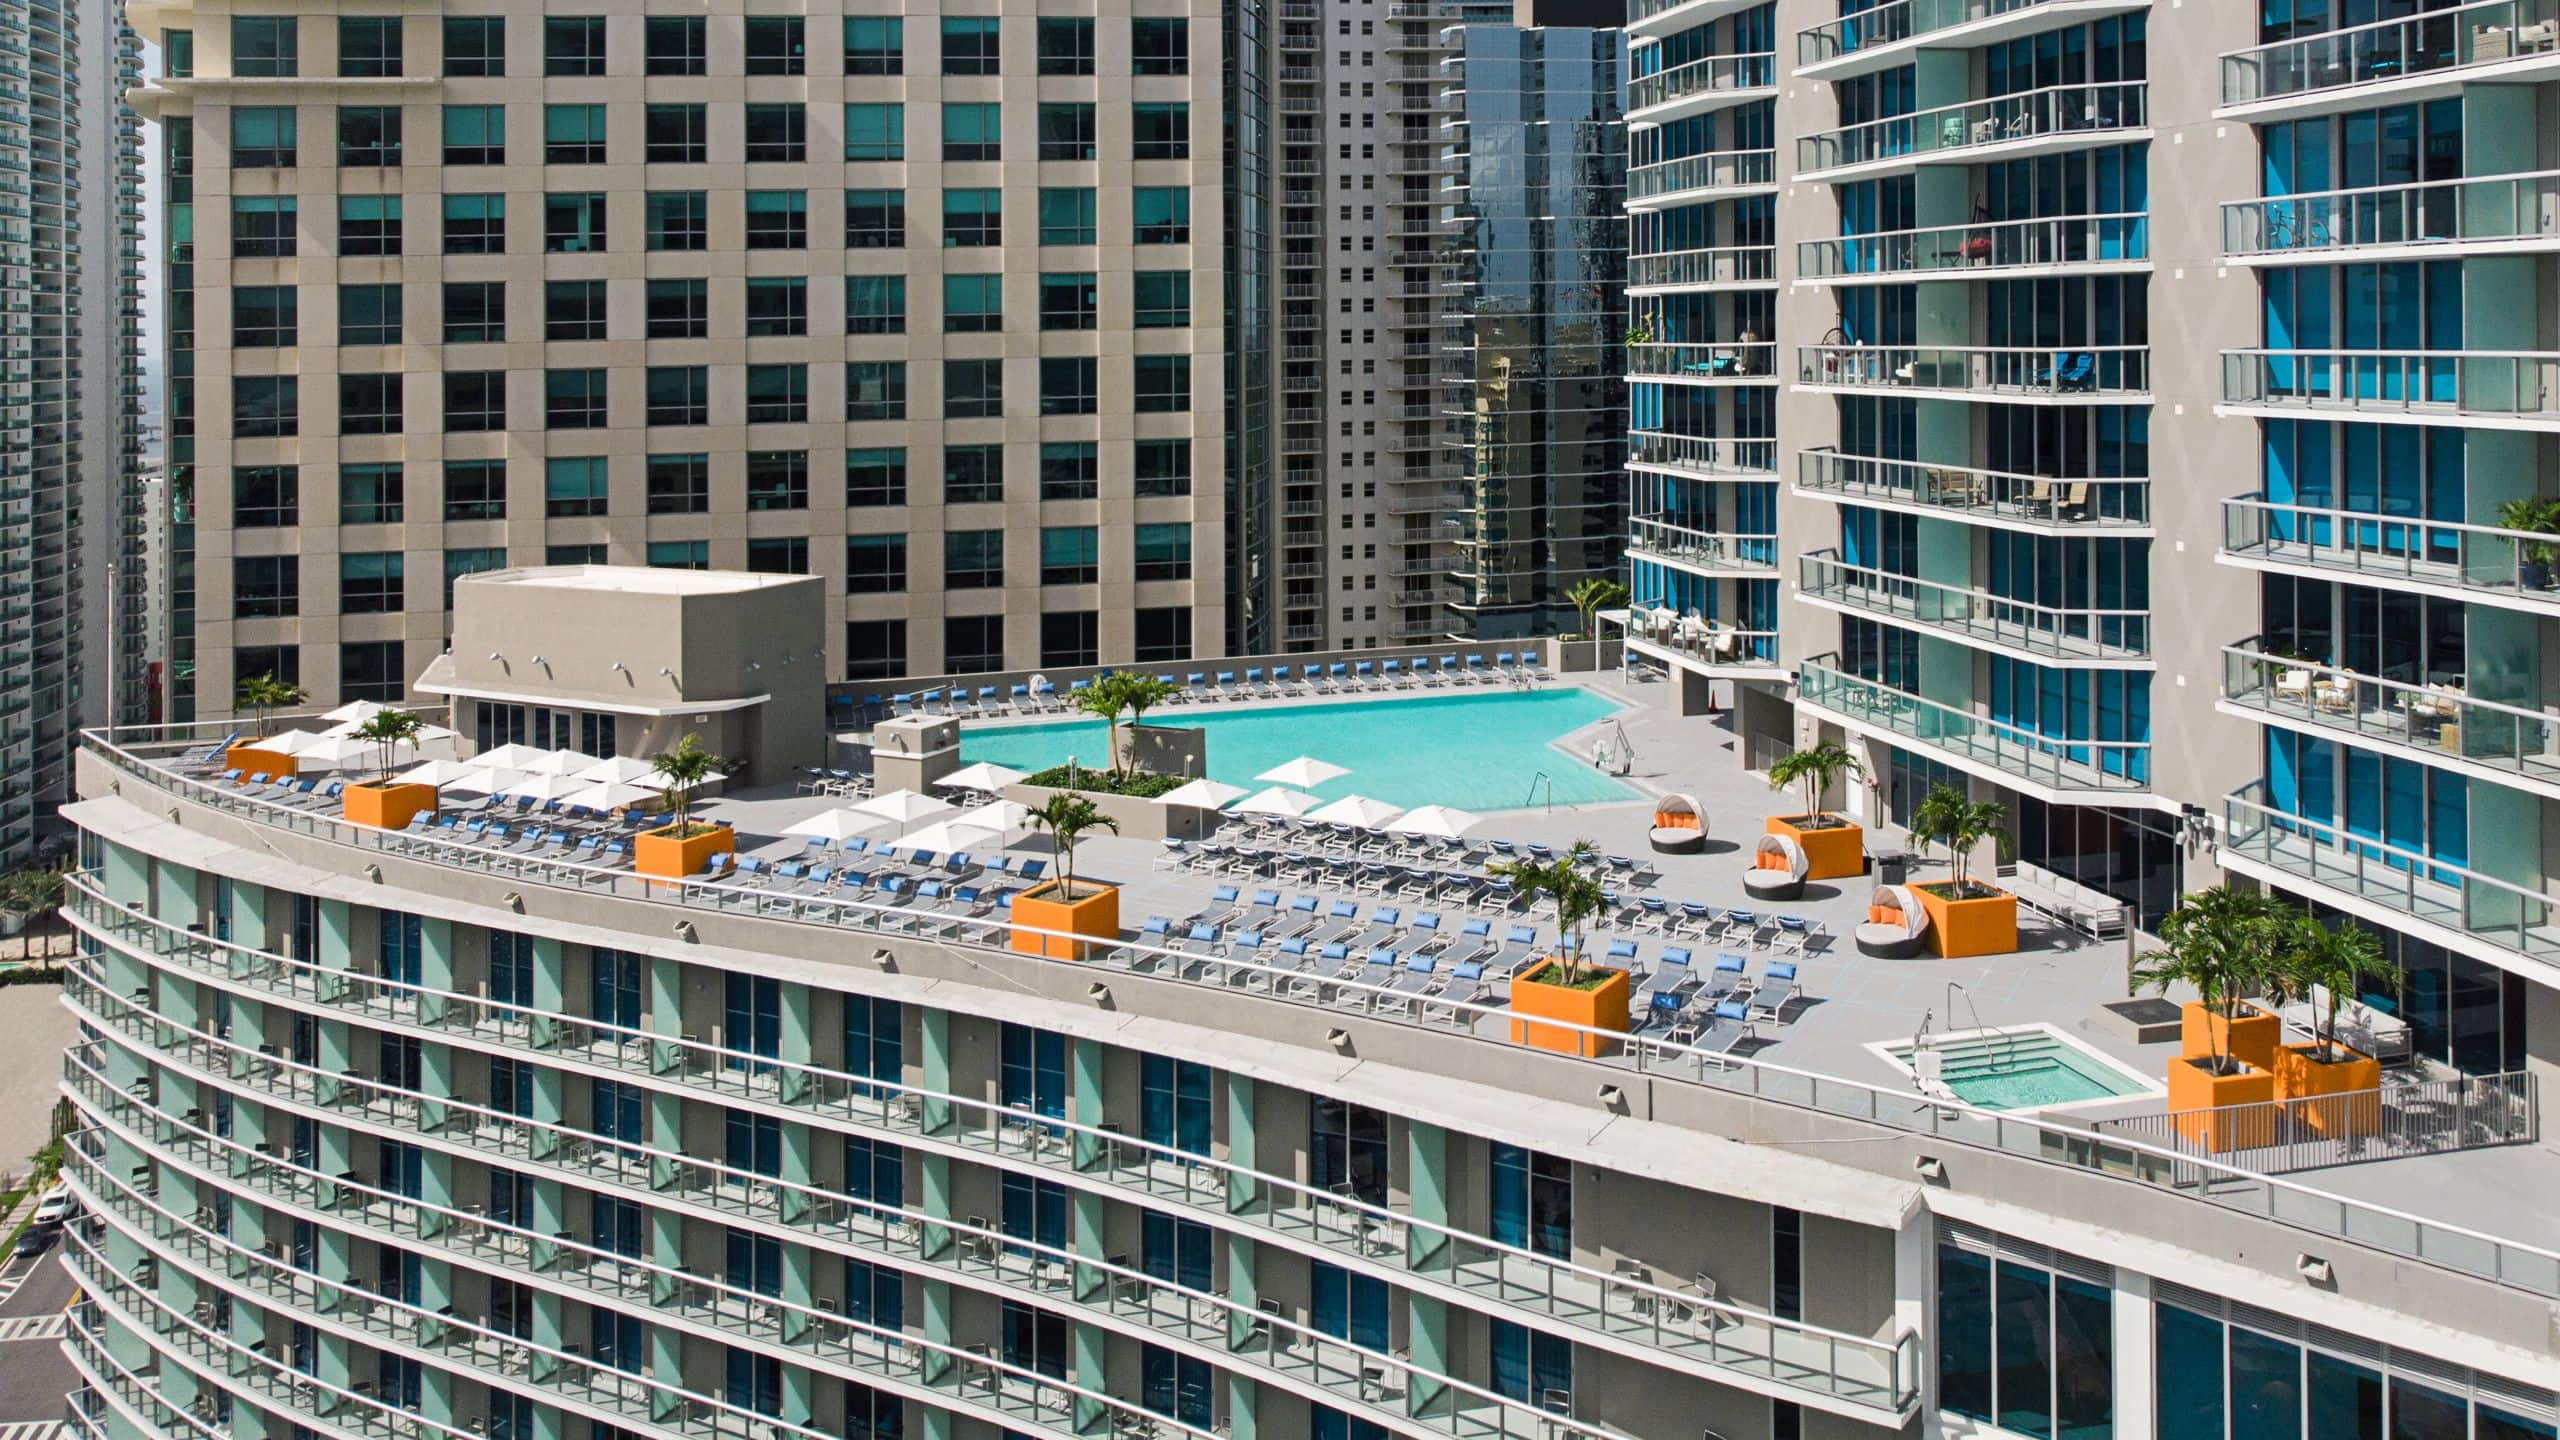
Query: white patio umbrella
point(948, 835)
point(985, 775)
point(544, 787)
point(1443, 821)
point(1357, 810)
point(510, 757)
point(459, 775)
point(293, 742)
point(1278, 800)
point(619, 770)
point(1002, 816)
point(608, 794)
point(1304, 773)
point(837, 824)
point(563, 763)
point(355, 712)
point(1206, 794)
point(341, 752)
point(906, 807)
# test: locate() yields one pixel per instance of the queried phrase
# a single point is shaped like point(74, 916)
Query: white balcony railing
point(1991, 245)
point(1992, 370)
point(2050, 761)
point(2441, 40)
point(1721, 265)
point(1738, 76)
point(2098, 112)
point(2427, 720)
point(2506, 387)
point(1894, 22)
point(1702, 550)
point(2079, 632)
point(1742, 459)
point(2483, 560)
point(1737, 360)
point(1998, 494)
point(1711, 170)
point(2501, 210)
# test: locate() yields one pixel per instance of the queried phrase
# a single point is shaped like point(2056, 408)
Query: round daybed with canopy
point(1896, 927)
point(1679, 826)
point(1778, 868)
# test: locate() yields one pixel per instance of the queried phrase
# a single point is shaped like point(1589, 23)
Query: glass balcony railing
point(2494, 210)
point(2112, 766)
point(1755, 459)
point(1724, 265)
point(1991, 245)
point(1739, 360)
point(2097, 112)
point(2043, 499)
point(1702, 550)
point(2442, 40)
point(2430, 720)
point(2497, 386)
point(1986, 370)
point(1709, 642)
point(1737, 76)
point(2482, 560)
point(2046, 630)
point(1894, 22)
point(1710, 170)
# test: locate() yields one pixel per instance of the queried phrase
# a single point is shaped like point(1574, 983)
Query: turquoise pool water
point(2025, 1068)
point(1477, 752)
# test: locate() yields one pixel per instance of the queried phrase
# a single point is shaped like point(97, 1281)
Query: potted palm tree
point(1966, 917)
point(1835, 846)
point(682, 846)
point(1593, 594)
point(2219, 943)
point(1566, 986)
point(1113, 693)
point(2533, 515)
point(382, 802)
point(1048, 914)
point(260, 695)
point(2327, 965)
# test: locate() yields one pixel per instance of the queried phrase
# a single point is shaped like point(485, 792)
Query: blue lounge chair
point(1732, 975)
point(1777, 990)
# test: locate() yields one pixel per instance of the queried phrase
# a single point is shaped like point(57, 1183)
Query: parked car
point(56, 1205)
point(34, 1239)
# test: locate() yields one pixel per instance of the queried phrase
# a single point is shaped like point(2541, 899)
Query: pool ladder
point(1541, 778)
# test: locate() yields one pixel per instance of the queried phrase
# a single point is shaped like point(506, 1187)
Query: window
point(1164, 633)
point(1163, 383)
point(873, 650)
point(1068, 385)
point(875, 304)
point(573, 399)
point(875, 564)
point(368, 136)
point(875, 219)
point(777, 45)
point(369, 46)
point(1066, 45)
point(678, 219)
point(264, 317)
point(970, 44)
point(972, 389)
point(368, 224)
point(777, 305)
point(875, 132)
point(573, 486)
point(1160, 130)
point(265, 496)
point(266, 587)
point(678, 555)
point(1070, 637)
point(875, 477)
point(573, 45)
point(1066, 216)
point(458, 563)
point(1163, 468)
point(1347, 1149)
point(874, 45)
point(972, 303)
point(573, 310)
point(372, 670)
point(777, 394)
point(778, 131)
point(263, 137)
point(475, 224)
point(585, 554)
point(1066, 130)
point(777, 219)
point(972, 131)
point(475, 135)
point(1532, 1201)
point(875, 390)
point(778, 555)
point(475, 490)
point(266, 47)
point(678, 309)
point(178, 54)
point(573, 134)
point(777, 480)
point(973, 559)
point(1069, 302)
point(265, 406)
point(678, 395)
point(1164, 552)
point(1070, 470)
point(673, 45)
point(1160, 46)
point(370, 583)
point(2032, 1349)
point(972, 474)
point(679, 484)
point(475, 46)
point(1070, 555)
point(1162, 214)
point(1176, 1385)
point(475, 311)
point(1532, 1368)
point(675, 134)
point(972, 644)
point(368, 314)
point(262, 226)
point(1175, 1103)
point(475, 400)
point(1164, 299)
point(972, 217)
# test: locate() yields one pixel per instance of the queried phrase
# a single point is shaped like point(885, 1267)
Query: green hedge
point(1138, 783)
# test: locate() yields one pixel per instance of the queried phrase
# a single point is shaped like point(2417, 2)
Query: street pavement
point(34, 1373)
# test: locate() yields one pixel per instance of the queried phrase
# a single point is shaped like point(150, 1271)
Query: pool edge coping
point(2145, 1088)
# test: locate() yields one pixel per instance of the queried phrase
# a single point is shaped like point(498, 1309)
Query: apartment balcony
point(1702, 552)
point(2437, 724)
point(2488, 389)
point(1998, 498)
point(2062, 245)
point(2478, 564)
point(1710, 175)
point(2415, 57)
point(2492, 215)
point(1729, 267)
point(2031, 122)
point(2087, 636)
point(1977, 744)
point(1711, 82)
point(1707, 647)
point(1648, 19)
point(1886, 35)
point(1740, 363)
point(2076, 375)
point(1707, 459)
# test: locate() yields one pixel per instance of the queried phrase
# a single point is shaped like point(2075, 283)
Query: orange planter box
point(2332, 1097)
point(248, 759)
point(667, 854)
point(1986, 925)
point(1094, 914)
point(1837, 851)
point(387, 806)
point(2251, 1036)
point(2200, 1106)
point(1602, 1007)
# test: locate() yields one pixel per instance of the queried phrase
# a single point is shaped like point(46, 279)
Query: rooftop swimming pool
point(2023, 1068)
point(1474, 751)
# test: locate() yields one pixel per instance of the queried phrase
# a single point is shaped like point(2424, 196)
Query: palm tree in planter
point(1567, 987)
point(681, 847)
point(260, 694)
point(2219, 943)
point(2335, 960)
point(1594, 594)
point(1835, 847)
point(1103, 698)
point(1966, 917)
point(379, 802)
point(1046, 914)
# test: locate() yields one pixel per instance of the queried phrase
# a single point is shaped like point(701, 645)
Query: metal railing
point(1721, 265)
point(2486, 559)
point(2096, 112)
point(1893, 22)
point(1986, 245)
point(1736, 360)
point(2086, 501)
point(2437, 720)
point(2486, 210)
point(1736, 75)
point(2426, 1117)
point(2085, 370)
point(1701, 549)
point(2059, 763)
point(2450, 39)
point(1742, 459)
point(1687, 635)
point(1711, 170)
point(2063, 632)
point(2524, 384)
